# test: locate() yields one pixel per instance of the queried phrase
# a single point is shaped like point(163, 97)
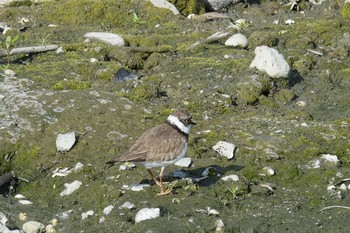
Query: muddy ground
point(287, 127)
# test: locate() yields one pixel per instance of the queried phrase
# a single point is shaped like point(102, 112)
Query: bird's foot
point(166, 192)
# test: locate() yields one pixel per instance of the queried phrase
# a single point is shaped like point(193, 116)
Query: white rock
point(147, 213)
point(269, 171)
point(4, 229)
point(54, 222)
point(301, 103)
point(212, 211)
point(314, 164)
point(330, 187)
point(331, 159)
point(269, 60)
point(64, 215)
point(108, 209)
point(87, 214)
point(165, 4)
point(220, 4)
point(343, 187)
point(126, 166)
point(230, 177)
point(225, 149)
point(184, 162)
point(3, 218)
point(138, 187)
point(219, 226)
point(93, 60)
point(64, 142)
point(33, 227)
point(102, 219)
point(109, 38)
point(9, 73)
point(127, 205)
point(71, 187)
point(237, 40)
point(59, 50)
point(61, 172)
point(25, 202)
point(22, 216)
point(289, 21)
point(78, 166)
point(19, 196)
point(50, 229)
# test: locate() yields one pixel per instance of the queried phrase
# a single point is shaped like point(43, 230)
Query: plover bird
point(161, 146)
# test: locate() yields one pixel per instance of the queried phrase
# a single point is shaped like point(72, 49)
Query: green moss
point(265, 101)
point(250, 173)
point(106, 13)
point(149, 89)
point(259, 38)
point(284, 96)
point(343, 77)
point(345, 11)
point(187, 7)
point(71, 85)
point(19, 3)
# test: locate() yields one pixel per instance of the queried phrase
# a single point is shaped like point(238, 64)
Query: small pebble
point(127, 205)
point(230, 177)
point(108, 209)
point(71, 187)
point(25, 202)
point(87, 214)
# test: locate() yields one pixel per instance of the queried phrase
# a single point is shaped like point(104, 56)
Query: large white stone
point(109, 38)
point(64, 142)
point(225, 149)
point(237, 40)
point(147, 213)
point(165, 4)
point(269, 60)
point(33, 227)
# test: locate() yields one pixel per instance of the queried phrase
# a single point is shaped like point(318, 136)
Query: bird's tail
point(111, 163)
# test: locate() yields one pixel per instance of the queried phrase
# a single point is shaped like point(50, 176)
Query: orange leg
point(160, 182)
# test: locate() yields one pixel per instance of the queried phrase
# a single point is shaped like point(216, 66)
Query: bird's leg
point(154, 178)
point(162, 193)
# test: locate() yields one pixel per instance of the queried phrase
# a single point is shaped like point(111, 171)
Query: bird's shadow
point(196, 174)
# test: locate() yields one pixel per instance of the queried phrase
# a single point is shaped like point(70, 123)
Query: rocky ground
point(292, 126)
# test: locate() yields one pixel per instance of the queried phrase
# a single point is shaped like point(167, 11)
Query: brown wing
point(156, 144)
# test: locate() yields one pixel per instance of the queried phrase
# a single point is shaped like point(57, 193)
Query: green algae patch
point(106, 13)
point(345, 11)
point(71, 85)
point(189, 7)
point(149, 88)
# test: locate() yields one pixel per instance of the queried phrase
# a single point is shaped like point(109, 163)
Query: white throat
point(175, 121)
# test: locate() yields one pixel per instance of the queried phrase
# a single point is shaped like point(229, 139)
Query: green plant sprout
point(44, 39)
point(137, 20)
point(10, 43)
point(235, 191)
